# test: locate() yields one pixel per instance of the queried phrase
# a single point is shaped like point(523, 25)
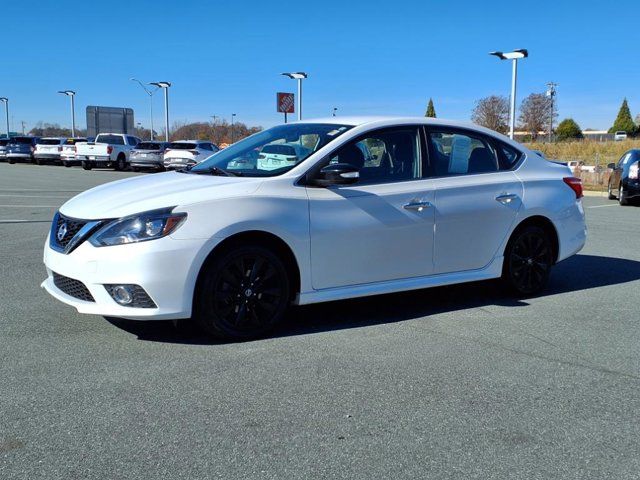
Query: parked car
point(3, 149)
point(278, 155)
point(624, 183)
point(48, 150)
point(147, 155)
point(442, 204)
point(620, 135)
point(108, 150)
point(20, 149)
point(68, 153)
point(580, 166)
point(186, 153)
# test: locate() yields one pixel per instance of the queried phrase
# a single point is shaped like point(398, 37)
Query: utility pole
point(551, 93)
point(23, 125)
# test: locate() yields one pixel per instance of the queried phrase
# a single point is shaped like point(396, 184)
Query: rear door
point(477, 197)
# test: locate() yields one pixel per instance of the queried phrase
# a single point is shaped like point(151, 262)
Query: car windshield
point(272, 152)
point(112, 139)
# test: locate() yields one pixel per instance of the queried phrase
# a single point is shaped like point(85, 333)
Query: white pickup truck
point(108, 150)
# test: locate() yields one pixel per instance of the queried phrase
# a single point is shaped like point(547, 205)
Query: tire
point(66, 164)
point(86, 165)
point(39, 162)
point(610, 195)
point(135, 169)
point(121, 163)
point(11, 161)
point(527, 261)
point(621, 197)
point(242, 293)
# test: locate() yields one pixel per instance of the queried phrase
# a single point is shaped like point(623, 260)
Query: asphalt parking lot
point(456, 382)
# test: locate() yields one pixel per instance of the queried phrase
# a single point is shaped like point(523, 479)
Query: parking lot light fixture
point(165, 86)
point(71, 94)
point(514, 56)
point(5, 100)
point(233, 116)
point(299, 76)
point(335, 109)
point(150, 93)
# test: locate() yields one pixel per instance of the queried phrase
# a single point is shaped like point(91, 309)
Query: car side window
point(460, 153)
point(132, 140)
point(206, 146)
point(384, 156)
point(624, 159)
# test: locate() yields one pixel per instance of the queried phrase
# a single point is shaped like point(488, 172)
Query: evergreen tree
point(624, 121)
point(431, 111)
point(568, 129)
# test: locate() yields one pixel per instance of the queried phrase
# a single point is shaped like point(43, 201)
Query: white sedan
point(434, 203)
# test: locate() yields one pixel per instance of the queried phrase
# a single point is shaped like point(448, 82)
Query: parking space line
point(33, 196)
point(29, 206)
point(24, 221)
point(600, 206)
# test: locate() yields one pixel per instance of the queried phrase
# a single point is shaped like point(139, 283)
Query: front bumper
point(165, 268)
point(631, 188)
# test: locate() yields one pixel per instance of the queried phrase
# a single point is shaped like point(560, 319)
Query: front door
point(380, 228)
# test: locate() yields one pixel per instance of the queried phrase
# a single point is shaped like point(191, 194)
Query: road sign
point(285, 102)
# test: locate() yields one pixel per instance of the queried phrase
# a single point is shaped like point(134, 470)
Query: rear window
point(73, 141)
point(49, 141)
point(279, 149)
point(111, 139)
point(21, 140)
point(182, 146)
point(149, 146)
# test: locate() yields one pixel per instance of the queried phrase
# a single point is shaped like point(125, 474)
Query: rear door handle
point(419, 206)
point(506, 198)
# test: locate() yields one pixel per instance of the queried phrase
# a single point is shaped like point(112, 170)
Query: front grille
point(73, 226)
point(141, 299)
point(72, 287)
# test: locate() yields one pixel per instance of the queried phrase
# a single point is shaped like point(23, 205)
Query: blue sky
point(363, 57)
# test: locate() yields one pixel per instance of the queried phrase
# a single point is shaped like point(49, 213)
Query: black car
point(624, 183)
point(21, 149)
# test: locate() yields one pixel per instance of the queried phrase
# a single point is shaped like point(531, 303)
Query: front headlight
point(138, 228)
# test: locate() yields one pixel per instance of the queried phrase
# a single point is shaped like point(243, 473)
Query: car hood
point(150, 192)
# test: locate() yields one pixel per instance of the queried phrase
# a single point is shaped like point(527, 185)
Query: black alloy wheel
point(528, 260)
point(243, 294)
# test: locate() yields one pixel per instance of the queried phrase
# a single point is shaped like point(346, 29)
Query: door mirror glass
point(337, 174)
point(612, 166)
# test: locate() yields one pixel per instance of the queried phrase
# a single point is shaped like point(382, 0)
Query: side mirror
point(612, 166)
point(337, 174)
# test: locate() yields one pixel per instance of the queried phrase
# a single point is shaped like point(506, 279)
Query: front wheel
point(242, 294)
point(527, 261)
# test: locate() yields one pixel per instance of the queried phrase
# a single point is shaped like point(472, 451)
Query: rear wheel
point(66, 164)
point(11, 161)
point(527, 261)
point(86, 165)
point(121, 163)
point(136, 169)
point(39, 162)
point(622, 199)
point(242, 294)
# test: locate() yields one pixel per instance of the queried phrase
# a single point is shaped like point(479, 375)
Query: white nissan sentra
point(372, 206)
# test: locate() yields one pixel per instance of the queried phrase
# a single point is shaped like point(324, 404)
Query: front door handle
point(506, 198)
point(419, 206)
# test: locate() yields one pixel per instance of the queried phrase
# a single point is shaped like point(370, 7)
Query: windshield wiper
point(219, 171)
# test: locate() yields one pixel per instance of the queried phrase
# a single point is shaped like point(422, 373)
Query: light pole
point(150, 93)
point(233, 115)
point(335, 109)
point(515, 56)
point(5, 100)
point(165, 86)
point(299, 76)
point(551, 93)
point(71, 94)
point(213, 127)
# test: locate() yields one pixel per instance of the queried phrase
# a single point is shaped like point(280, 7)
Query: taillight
point(109, 149)
point(633, 171)
point(575, 184)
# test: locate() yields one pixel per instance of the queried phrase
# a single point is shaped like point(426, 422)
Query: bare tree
point(535, 112)
point(492, 112)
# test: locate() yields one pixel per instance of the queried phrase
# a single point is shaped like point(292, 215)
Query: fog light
point(122, 294)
